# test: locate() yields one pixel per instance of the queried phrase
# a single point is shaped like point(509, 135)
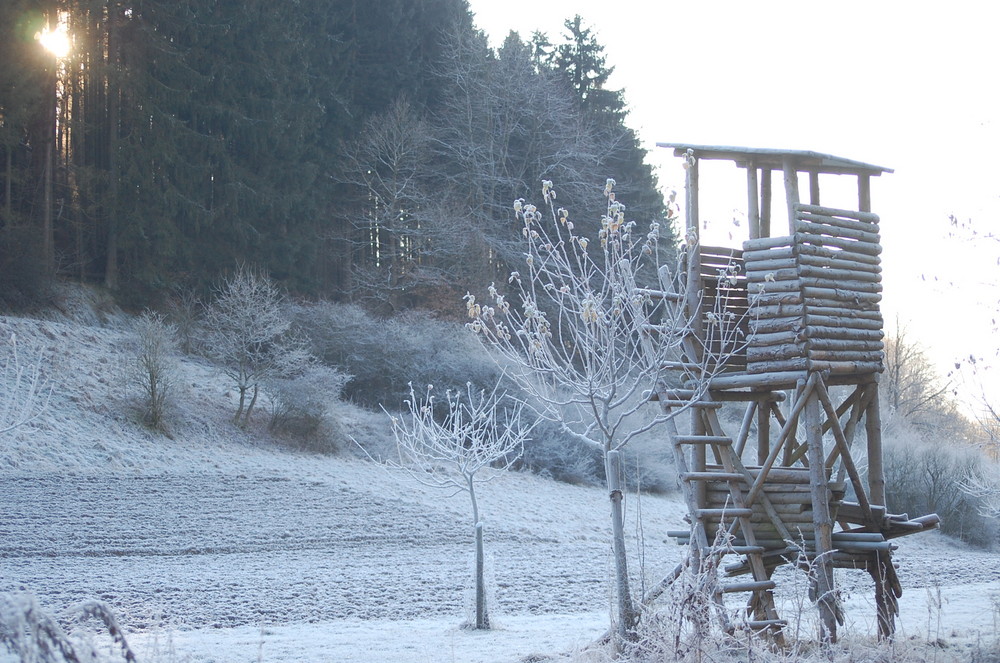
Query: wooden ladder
point(737, 511)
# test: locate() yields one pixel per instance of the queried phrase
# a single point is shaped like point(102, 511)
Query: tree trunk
point(627, 617)
point(482, 614)
point(253, 401)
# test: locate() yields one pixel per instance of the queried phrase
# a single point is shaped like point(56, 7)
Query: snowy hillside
point(216, 544)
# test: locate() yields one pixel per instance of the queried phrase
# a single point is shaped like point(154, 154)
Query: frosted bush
point(384, 355)
point(153, 367)
point(301, 407)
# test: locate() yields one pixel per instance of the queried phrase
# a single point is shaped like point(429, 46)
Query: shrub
point(553, 453)
point(926, 478)
point(301, 407)
point(153, 367)
point(384, 355)
point(247, 330)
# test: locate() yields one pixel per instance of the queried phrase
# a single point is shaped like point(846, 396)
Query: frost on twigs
point(24, 393)
point(153, 367)
point(32, 635)
point(588, 338)
point(248, 331)
point(451, 442)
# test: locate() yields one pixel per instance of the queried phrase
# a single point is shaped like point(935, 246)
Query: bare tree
point(25, 393)
point(453, 451)
point(587, 340)
point(247, 330)
point(911, 386)
point(153, 368)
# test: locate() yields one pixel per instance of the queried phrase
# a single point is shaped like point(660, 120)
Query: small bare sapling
point(153, 368)
point(472, 435)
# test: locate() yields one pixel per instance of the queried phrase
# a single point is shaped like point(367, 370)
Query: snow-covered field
point(215, 545)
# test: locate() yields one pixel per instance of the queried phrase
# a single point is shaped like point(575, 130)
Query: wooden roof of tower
point(805, 160)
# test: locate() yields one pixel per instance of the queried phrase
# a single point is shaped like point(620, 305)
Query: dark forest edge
point(359, 152)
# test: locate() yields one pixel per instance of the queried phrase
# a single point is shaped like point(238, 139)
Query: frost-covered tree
point(586, 340)
point(247, 330)
point(457, 448)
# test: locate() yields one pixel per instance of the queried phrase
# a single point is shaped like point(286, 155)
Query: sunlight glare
point(55, 41)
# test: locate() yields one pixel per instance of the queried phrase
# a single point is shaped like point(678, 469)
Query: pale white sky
point(906, 85)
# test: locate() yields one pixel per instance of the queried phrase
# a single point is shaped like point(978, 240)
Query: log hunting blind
point(789, 326)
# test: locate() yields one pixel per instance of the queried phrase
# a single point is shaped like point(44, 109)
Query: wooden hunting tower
point(775, 325)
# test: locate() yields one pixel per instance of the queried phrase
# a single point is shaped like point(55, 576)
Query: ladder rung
point(757, 586)
point(764, 623)
point(703, 439)
point(713, 476)
point(734, 512)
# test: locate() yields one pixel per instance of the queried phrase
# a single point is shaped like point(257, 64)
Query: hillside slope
point(223, 543)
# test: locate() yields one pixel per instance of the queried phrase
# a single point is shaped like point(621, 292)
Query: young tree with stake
point(588, 341)
point(455, 451)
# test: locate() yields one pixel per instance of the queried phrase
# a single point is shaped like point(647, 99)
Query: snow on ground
point(215, 544)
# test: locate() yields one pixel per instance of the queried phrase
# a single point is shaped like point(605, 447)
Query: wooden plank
point(720, 251)
point(833, 211)
point(845, 286)
point(702, 439)
point(822, 520)
point(832, 273)
point(846, 321)
point(780, 366)
point(813, 250)
point(768, 254)
point(713, 476)
point(836, 222)
point(818, 332)
point(775, 380)
point(841, 311)
point(775, 275)
point(814, 188)
point(770, 264)
point(864, 192)
point(844, 355)
point(845, 367)
point(756, 586)
point(766, 325)
point(758, 286)
point(791, 188)
point(765, 203)
point(843, 295)
point(849, 345)
point(837, 263)
point(780, 311)
point(765, 243)
point(809, 228)
point(761, 340)
point(775, 352)
point(866, 248)
point(744, 433)
point(775, 298)
point(753, 202)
